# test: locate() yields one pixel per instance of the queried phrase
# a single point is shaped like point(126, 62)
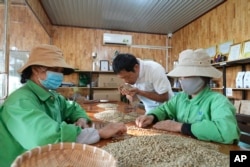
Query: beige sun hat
point(194, 63)
point(48, 56)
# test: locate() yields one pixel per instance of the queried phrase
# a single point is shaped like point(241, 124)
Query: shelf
point(232, 62)
point(94, 72)
point(240, 89)
point(101, 84)
point(107, 88)
point(79, 87)
point(217, 88)
point(73, 87)
point(245, 115)
point(210, 88)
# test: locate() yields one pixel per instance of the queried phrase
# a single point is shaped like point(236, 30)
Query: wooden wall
point(229, 21)
point(25, 31)
point(40, 15)
point(1, 25)
point(79, 43)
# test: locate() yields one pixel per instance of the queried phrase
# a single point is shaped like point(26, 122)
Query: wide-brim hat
point(194, 63)
point(48, 56)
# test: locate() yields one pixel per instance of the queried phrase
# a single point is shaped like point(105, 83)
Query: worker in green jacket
point(197, 111)
point(35, 115)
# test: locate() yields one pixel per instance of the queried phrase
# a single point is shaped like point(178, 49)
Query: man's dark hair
point(124, 61)
point(26, 75)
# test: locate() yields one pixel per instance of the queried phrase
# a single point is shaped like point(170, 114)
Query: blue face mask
point(53, 80)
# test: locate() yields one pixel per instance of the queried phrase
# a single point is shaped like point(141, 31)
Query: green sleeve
point(72, 111)
point(31, 126)
point(166, 110)
point(222, 127)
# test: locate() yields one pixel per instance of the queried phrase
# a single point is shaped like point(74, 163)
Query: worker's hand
point(81, 122)
point(144, 120)
point(132, 91)
point(168, 125)
point(122, 89)
point(112, 129)
point(127, 89)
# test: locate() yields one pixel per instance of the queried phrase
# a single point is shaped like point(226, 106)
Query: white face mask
point(192, 85)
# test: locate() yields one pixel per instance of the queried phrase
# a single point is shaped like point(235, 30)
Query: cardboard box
point(240, 79)
point(112, 95)
point(109, 81)
point(245, 107)
point(237, 104)
point(247, 80)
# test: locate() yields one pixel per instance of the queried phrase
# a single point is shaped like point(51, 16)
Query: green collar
point(40, 92)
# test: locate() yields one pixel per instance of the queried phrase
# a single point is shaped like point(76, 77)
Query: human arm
point(152, 95)
point(160, 113)
point(34, 112)
point(155, 87)
point(72, 112)
point(31, 126)
point(166, 114)
point(144, 120)
point(92, 135)
point(220, 125)
point(169, 125)
point(133, 91)
point(210, 116)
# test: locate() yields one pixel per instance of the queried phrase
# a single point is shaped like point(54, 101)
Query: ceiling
point(145, 16)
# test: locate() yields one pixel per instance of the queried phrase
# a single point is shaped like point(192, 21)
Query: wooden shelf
point(217, 88)
point(105, 82)
point(94, 72)
point(241, 89)
point(242, 63)
point(232, 62)
point(107, 88)
point(72, 87)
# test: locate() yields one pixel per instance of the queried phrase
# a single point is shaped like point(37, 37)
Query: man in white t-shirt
point(147, 78)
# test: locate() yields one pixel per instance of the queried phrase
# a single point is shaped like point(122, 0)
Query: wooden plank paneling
point(229, 21)
point(79, 43)
point(40, 14)
point(25, 30)
point(1, 25)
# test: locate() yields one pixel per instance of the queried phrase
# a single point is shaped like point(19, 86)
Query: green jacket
point(31, 117)
point(211, 115)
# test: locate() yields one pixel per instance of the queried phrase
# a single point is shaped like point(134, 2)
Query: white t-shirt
point(152, 78)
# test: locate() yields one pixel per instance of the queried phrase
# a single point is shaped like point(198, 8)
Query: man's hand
point(127, 89)
point(144, 120)
point(168, 125)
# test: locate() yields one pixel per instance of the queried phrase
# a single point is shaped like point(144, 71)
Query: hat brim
point(187, 71)
point(66, 71)
point(48, 56)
